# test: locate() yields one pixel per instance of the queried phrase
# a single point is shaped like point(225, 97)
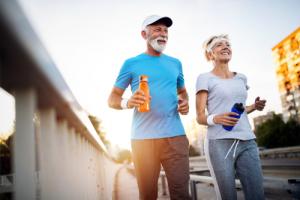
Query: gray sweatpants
point(228, 158)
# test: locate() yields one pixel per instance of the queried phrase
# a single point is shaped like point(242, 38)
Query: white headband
point(210, 46)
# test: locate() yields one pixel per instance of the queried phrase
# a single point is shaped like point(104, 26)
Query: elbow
point(198, 120)
point(201, 119)
point(109, 102)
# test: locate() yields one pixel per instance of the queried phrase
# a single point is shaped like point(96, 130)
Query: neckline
point(235, 75)
point(151, 56)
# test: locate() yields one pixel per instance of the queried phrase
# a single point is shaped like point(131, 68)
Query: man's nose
point(164, 33)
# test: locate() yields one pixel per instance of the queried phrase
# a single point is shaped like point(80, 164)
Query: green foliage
point(97, 125)
point(5, 155)
point(124, 155)
point(276, 133)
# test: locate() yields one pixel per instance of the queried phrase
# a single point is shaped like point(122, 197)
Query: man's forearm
point(115, 98)
point(182, 94)
point(115, 103)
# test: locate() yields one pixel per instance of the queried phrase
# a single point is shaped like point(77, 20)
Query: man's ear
point(144, 34)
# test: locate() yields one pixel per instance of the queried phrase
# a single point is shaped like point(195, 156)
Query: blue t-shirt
point(164, 77)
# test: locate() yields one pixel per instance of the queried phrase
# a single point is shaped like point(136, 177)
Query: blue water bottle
point(237, 108)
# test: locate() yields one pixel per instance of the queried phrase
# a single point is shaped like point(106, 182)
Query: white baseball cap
point(157, 19)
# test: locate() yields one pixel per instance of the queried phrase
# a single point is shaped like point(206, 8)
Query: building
point(287, 59)
point(196, 134)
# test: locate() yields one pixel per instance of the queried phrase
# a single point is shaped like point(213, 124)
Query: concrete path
point(126, 186)
point(126, 189)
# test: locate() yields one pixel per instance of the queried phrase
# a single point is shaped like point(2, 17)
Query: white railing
point(280, 167)
point(6, 180)
point(57, 152)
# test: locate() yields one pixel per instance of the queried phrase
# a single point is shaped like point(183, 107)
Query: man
point(158, 137)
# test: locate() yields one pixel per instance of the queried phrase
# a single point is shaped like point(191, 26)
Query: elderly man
point(158, 137)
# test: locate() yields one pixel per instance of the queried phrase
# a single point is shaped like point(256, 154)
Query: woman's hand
point(259, 104)
point(226, 119)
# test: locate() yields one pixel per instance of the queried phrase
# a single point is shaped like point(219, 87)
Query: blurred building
point(196, 134)
point(287, 58)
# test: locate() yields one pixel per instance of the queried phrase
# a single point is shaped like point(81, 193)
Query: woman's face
point(222, 51)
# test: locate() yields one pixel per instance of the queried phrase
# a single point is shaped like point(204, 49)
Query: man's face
point(157, 36)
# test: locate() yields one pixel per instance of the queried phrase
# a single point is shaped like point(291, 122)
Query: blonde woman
point(228, 153)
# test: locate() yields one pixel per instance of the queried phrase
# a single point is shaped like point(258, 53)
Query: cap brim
point(164, 20)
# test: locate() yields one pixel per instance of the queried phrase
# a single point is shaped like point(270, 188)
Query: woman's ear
point(208, 55)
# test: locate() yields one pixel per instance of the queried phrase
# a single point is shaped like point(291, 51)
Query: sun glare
point(7, 114)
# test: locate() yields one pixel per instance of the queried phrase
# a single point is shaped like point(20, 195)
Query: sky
point(89, 41)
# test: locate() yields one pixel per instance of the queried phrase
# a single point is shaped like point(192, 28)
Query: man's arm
point(115, 98)
point(183, 101)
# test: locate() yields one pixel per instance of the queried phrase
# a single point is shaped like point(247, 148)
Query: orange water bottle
point(145, 107)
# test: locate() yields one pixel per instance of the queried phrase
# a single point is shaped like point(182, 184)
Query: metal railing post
point(193, 185)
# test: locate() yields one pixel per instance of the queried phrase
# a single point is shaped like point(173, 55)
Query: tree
point(97, 125)
point(124, 155)
point(5, 155)
point(276, 133)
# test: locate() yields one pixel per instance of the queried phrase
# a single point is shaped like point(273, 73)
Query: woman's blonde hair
point(210, 42)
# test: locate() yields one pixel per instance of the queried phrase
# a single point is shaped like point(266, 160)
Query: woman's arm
point(258, 105)
point(201, 99)
point(223, 119)
point(250, 109)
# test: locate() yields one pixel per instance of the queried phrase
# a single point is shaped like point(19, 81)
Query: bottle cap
point(143, 78)
point(239, 107)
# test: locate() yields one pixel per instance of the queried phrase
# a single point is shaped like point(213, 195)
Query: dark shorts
point(173, 154)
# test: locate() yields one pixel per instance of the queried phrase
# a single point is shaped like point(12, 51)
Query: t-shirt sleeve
point(244, 78)
point(202, 83)
point(124, 77)
point(180, 78)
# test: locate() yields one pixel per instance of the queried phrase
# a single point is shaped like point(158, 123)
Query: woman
point(228, 153)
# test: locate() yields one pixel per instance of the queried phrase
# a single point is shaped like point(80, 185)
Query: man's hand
point(183, 106)
point(137, 99)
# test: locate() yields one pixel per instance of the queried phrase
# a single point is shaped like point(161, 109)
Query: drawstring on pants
point(236, 143)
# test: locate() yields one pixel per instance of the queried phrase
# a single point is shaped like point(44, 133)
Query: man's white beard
point(156, 46)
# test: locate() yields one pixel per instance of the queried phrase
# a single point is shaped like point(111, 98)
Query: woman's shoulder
point(238, 74)
point(205, 75)
point(241, 76)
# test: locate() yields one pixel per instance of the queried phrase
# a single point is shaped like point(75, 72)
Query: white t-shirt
point(222, 95)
